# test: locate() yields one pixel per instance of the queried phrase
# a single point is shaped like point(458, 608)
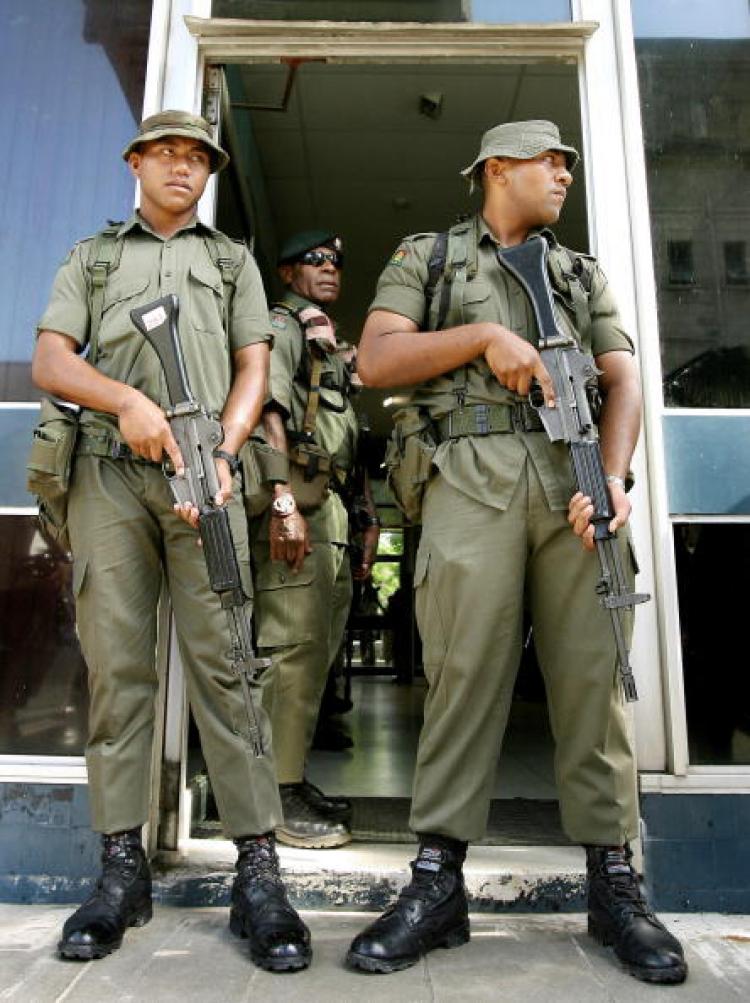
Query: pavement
point(188, 954)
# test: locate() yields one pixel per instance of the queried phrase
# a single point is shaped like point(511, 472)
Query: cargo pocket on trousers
point(429, 618)
point(279, 603)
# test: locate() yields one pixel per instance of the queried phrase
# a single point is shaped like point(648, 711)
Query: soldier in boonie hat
point(178, 123)
point(521, 141)
point(307, 240)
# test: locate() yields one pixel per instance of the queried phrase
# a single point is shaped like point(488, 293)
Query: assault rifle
point(573, 375)
point(198, 434)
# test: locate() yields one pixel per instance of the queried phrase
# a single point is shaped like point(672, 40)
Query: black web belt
point(489, 419)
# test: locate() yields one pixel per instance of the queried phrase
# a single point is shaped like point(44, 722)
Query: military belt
point(489, 419)
point(102, 444)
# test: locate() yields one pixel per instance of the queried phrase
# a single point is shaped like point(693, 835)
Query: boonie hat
point(296, 245)
point(178, 123)
point(522, 141)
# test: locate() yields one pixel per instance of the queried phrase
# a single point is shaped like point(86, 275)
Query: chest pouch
point(408, 459)
point(49, 466)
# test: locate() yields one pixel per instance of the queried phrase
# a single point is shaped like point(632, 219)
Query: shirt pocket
point(477, 302)
point(206, 299)
point(120, 297)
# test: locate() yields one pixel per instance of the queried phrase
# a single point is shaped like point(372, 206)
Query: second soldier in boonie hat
point(521, 141)
point(178, 123)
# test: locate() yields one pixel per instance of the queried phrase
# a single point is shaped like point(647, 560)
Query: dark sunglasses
point(318, 258)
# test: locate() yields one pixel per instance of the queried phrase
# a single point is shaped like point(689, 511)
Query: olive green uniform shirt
point(335, 430)
point(150, 267)
point(487, 468)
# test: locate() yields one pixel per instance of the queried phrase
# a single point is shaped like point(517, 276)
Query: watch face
point(283, 505)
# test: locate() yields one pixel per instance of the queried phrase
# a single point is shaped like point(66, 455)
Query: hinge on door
point(212, 94)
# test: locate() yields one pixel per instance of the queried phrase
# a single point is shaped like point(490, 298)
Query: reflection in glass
point(695, 104)
point(712, 562)
point(428, 11)
point(72, 75)
point(43, 692)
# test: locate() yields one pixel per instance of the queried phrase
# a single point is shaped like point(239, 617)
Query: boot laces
point(258, 861)
point(621, 878)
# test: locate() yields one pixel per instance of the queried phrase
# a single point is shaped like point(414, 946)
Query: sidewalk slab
point(189, 955)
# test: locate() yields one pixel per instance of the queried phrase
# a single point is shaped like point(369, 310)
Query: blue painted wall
point(697, 851)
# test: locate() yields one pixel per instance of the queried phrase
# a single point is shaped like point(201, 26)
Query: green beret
point(296, 245)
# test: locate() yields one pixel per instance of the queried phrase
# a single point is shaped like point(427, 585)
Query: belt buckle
point(526, 417)
point(118, 450)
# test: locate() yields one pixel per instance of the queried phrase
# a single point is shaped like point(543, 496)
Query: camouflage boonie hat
point(522, 141)
point(306, 240)
point(178, 123)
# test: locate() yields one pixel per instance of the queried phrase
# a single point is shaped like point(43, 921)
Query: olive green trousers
point(476, 567)
point(126, 540)
point(300, 620)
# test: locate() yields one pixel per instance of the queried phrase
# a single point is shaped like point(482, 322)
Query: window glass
point(712, 561)
point(43, 691)
point(482, 11)
point(694, 76)
point(72, 75)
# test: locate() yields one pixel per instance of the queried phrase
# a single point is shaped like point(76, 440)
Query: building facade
point(334, 109)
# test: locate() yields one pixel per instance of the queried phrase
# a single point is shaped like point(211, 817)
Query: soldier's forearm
point(244, 405)
point(59, 370)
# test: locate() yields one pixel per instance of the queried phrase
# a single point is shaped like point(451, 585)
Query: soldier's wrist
point(616, 479)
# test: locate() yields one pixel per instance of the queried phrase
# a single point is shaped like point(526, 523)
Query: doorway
point(373, 152)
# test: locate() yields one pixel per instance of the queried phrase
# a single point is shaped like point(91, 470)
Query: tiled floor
point(384, 725)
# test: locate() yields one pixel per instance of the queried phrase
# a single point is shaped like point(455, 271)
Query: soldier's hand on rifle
point(581, 509)
point(515, 362)
point(289, 538)
point(370, 539)
point(146, 431)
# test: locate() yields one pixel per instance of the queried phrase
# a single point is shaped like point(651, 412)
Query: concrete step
point(367, 876)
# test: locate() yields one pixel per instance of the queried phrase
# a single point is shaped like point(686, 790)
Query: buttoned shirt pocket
point(281, 599)
point(206, 298)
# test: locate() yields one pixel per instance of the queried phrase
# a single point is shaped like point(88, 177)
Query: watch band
point(231, 458)
point(614, 479)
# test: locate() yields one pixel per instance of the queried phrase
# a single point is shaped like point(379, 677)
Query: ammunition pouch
point(49, 467)
point(260, 465)
point(310, 473)
point(408, 459)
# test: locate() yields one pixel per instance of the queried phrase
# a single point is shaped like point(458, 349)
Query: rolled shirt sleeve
point(607, 331)
point(250, 324)
point(401, 286)
point(67, 311)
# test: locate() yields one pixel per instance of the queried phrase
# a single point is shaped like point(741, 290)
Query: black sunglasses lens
point(317, 258)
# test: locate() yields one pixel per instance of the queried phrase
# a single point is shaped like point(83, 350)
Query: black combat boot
point(279, 940)
point(339, 809)
point(432, 911)
point(306, 824)
point(122, 898)
point(619, 917)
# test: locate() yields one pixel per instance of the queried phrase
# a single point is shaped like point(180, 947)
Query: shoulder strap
point(435, 268)
point(104, 258)
point(227, 256)
point(570, 275)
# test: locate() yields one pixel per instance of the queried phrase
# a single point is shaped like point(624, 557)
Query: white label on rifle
point(154, 318)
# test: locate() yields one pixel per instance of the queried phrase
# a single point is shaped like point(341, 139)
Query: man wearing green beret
point(503, 529)
point(127, 537)
point(300, 543)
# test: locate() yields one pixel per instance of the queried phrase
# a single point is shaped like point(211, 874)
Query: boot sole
point(659, 976)
point(383, 966)
point(237, 927)
point(94, 952)
point(312, 842)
